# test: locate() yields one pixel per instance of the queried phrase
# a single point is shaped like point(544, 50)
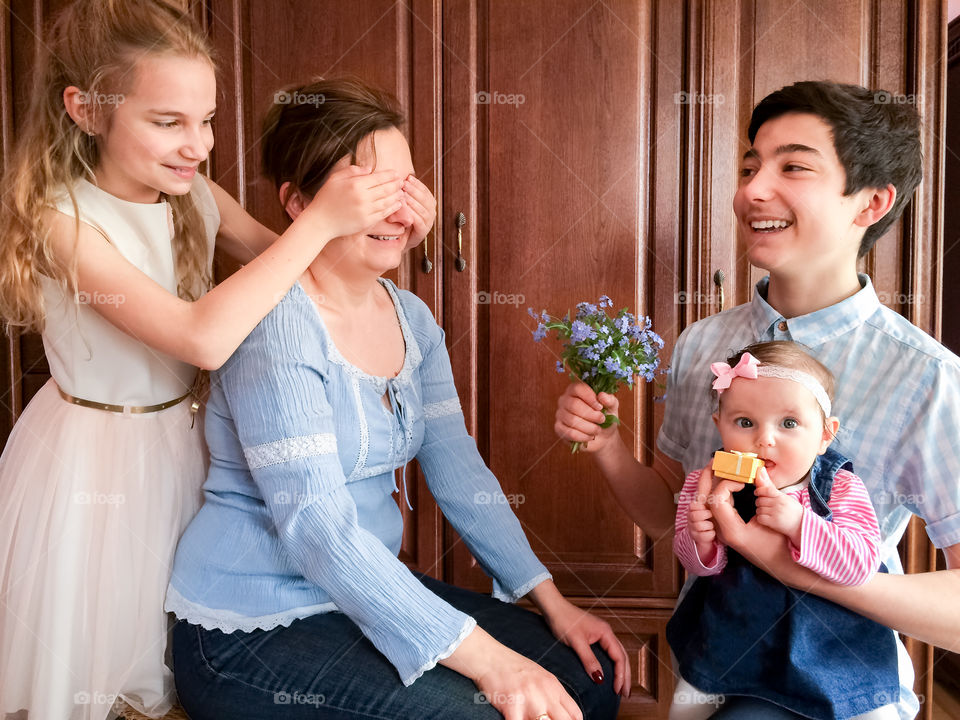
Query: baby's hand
point(702, 530)
point(776, 510)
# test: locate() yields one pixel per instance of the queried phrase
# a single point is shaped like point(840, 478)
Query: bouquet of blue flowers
point(601, 350)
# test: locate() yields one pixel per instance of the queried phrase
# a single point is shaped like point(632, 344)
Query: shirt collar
point(820, 326)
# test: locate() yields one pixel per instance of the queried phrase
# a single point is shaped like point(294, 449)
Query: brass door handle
point(460, 264)
point(718, 277)
point(425, 263)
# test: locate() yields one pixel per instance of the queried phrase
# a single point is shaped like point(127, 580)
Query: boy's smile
point(792, 214)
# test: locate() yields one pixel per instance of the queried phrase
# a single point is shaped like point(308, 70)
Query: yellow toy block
point(742, 467)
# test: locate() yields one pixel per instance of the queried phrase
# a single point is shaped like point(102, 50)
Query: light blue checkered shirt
point(897, 397)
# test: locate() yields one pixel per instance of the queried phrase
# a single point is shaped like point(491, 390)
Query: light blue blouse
point(298, 517)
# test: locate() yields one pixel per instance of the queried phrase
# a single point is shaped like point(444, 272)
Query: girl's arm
point(243, 238)
point(207, 331)
point(240, 236)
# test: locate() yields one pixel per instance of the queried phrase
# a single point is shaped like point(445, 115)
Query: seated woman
point(291, 599)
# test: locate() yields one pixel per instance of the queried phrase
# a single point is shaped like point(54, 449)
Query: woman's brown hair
point(310, 127)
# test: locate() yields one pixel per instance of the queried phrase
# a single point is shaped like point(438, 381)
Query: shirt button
point(782, 326)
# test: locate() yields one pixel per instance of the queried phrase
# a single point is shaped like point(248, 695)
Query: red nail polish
point(597, 677)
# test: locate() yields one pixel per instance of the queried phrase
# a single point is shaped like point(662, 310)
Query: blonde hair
point(93, 44)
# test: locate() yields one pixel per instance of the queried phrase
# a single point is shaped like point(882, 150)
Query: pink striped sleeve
point(846, 549)
point(683, 545)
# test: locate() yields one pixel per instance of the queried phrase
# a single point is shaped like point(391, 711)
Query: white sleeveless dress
point(92, 502)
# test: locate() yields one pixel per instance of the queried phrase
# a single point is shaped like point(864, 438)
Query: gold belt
point(134, 409)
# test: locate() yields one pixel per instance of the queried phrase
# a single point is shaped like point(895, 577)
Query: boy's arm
point(646, 493)
point(921, 605)
point(926, 463)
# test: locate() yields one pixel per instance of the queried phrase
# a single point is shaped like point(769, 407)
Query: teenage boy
point(829, 169)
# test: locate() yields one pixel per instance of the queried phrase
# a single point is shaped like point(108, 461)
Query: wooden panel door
point(596, 151)
point(560, 120)
point(556, 136)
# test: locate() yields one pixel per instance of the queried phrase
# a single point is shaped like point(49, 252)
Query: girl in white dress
point(106, 248)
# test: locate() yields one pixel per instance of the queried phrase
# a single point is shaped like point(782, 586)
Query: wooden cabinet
point(593, 148)
point(555, 126)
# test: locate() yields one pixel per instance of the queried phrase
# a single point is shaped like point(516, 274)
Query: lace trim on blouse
point(364, 443)
point(511, 597)
point(467, 628)
point(227, 621)
point(411, 359)
point(287, 449)
point(432, 411)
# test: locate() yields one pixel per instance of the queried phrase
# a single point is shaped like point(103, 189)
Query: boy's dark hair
point(876, 138)
point(310, 127)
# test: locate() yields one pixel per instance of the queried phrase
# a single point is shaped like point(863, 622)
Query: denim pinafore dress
point(742, 632)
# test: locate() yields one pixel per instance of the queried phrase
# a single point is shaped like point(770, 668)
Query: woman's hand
point(580, 414)
point(423, 204)
point(522, 690)
point(515, 685)
point(578, 629)
point(354, 199)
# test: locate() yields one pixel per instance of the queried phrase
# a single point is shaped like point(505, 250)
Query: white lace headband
point(749, 367)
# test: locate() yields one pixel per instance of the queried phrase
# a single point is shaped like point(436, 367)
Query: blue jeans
point(323, 667)
point(753, 709)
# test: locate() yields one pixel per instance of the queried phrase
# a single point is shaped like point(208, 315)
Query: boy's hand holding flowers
point(581, 413)
point(601, 352)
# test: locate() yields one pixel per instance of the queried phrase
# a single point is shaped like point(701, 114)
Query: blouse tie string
point(398, 404)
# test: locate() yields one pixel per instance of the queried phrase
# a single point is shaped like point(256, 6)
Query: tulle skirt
point(92, 504)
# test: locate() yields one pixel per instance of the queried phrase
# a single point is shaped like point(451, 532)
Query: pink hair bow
point(746, 368)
